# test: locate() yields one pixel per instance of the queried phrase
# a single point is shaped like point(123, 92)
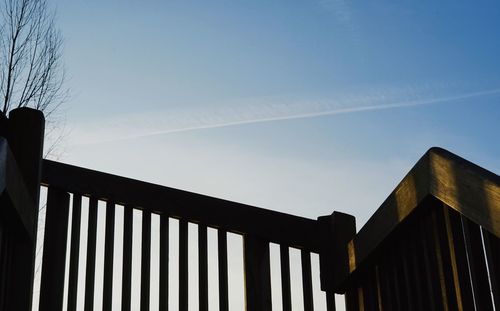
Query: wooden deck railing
point(433, 244)
point(258, 227)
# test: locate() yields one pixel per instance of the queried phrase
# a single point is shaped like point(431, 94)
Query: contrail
point(334, 111)
point(325, 113)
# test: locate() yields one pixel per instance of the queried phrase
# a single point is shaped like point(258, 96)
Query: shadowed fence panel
point(255, 244)
point(440, 264)
point(445, 212)
point(432, 245)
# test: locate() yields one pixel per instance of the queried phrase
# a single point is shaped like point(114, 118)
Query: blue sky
point(300, 106)
point(318, 82)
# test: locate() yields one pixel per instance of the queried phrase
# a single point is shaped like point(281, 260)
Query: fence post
point(336, 230)
point(26, 131)
point(25, 136)
point(257, 274)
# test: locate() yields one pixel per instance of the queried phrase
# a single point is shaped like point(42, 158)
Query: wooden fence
point(432, 245)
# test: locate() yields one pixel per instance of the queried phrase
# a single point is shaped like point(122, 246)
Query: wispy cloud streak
point(257, 111)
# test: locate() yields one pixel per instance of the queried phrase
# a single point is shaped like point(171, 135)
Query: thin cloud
point(267, 110)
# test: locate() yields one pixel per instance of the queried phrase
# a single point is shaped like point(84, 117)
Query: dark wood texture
point(19, 188)
point(223, 280)
point(430, 265)
point(307, 290)
point(352, 299)
point(54, 250)
point(74, 258)
point(26, 143)
point(257, 274)
point(443, 263)
point(14, 193)
point(164, 250)
point(330, 301)
point(145, 260)
point(335, 231)
point(461, 185)
point(286, 295)
point(18, 225)
point(233, 217)
point(462, 282)
point(183, 266)
point(127, 257)
point(492, 250)
point(91, 249)
point(109, 245)
point(478, 270)
point(203, 267)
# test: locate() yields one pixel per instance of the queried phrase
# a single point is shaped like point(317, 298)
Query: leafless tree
point(31, 72)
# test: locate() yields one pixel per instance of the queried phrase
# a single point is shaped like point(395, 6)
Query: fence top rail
point(463, 186)
point(12, 188)
point(234, 217)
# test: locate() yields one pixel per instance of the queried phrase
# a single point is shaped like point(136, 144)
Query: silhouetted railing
point(258, 227)
point(433, 244)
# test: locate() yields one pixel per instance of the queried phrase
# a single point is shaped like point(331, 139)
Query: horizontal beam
point(234, 217)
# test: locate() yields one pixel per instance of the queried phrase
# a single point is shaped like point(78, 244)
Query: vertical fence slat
point(411, 300)
point(203, 267)
point(183, 265)
point(416, 270)
point(145, 260)
point(109, 244)
point(330, 301)
point(442, 263)
point(352, 299)
point(430, 268)
point(305, 257)
point(164, 249)
point(378, 289)
point(456, 240)
point(479, 273)
point(448, 257)
point(257, 274)
point(387, 299)
point(91, 248)
point(74, 252)
point(223, 281)
point(492, 249)
point(127, 257)
point(286, 295)
point(54, 253)
point(370, 291)
point(397, 285)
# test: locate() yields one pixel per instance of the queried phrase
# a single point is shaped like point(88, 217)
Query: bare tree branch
point(31, 73)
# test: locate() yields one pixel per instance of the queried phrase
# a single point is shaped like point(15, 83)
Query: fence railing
point(432, 245)
point(258, 227)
